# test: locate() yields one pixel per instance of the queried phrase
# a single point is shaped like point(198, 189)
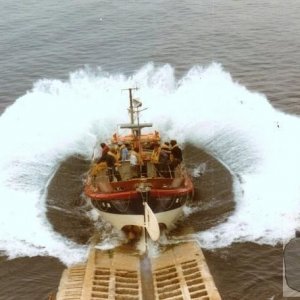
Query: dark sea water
point(221, 76)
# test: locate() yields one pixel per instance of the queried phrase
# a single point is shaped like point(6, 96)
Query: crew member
point(109, 158)
point(104, 149)
point(114, 164)
point(176, 156)
point(164, 160)
point(125, 152)
point(136, 161)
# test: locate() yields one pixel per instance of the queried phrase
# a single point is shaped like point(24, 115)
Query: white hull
point(119, 221)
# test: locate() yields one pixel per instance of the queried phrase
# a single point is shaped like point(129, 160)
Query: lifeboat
point(141, 192)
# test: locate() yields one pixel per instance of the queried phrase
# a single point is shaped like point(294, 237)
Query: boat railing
point(99, 173)
point(102, 185)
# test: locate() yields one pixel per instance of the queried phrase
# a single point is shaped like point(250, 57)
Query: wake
point(207, 108)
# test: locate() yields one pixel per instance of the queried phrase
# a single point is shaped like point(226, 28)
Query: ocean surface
point(220, 76)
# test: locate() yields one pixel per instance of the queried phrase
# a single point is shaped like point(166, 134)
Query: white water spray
point(206, 107)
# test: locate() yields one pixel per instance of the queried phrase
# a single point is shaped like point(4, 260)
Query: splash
point(206, 108)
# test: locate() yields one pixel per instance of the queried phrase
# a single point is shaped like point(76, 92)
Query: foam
point(206, 107)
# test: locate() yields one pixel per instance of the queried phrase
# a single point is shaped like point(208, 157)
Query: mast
point(131, 104)
point(134, 109)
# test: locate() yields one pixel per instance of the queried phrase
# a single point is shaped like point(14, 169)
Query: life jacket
point(110, 159)
point(155, 155)
point(98, 168)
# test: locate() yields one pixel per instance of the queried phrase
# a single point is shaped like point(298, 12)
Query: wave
point(207, 108)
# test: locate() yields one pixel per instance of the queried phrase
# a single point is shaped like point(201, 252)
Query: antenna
point(136, 103)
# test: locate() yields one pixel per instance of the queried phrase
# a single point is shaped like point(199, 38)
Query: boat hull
point(124, 206)
point(122, 212)
point(119, 221)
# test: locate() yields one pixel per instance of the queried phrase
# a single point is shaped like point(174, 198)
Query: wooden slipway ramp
point(178, 273)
